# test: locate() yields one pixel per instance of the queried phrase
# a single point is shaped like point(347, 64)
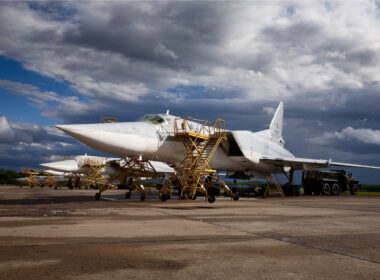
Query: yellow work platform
point(201, 140)
point(193, 134)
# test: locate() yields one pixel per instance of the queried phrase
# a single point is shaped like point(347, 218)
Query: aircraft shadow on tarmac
point(56, 199)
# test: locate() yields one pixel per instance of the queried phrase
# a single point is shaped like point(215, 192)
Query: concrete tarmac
point(66, 234)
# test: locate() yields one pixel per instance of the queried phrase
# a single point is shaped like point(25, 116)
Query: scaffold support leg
point(233, 195)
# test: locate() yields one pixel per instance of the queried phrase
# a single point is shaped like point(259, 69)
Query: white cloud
point(259, 52)
point(363, 135)
point(162, 50)
point(6, 133)
point(268, 110)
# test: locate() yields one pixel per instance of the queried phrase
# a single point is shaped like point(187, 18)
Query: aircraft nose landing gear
point(163, 197)
point(211, 198)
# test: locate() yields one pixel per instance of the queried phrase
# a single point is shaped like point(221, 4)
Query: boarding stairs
point(200, 139)
point(277, 185)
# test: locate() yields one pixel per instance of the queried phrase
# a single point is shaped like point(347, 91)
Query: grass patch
point(369, 193)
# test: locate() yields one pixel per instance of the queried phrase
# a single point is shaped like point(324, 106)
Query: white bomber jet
point(79, 165)
point(112, 168)
point(243, 155)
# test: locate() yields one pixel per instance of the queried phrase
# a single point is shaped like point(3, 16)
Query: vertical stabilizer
point(275, 127)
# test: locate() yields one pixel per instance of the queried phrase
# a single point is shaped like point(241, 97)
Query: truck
point(329, 182)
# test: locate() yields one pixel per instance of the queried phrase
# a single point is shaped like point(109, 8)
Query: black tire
point(127, 195)
point(354, 189)
point(326, 189)
point(260, 192)
point(236, 196)
point(142, 197)
point(335, 189)
point(163, 197)
point(97, 196)
point(211, 199)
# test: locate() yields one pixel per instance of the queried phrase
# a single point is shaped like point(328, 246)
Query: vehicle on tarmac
point(328, 182)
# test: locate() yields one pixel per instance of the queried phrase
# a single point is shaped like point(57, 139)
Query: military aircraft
point(244, 154)
point(95, 169)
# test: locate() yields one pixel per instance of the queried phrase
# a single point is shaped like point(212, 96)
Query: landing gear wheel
point(127, 195)
point(142, 196)
point(97, 196)
point(354, 189)
point(326, 189)
point(335, 189)
point(163, 197)
point(211, 199)
point(236, 196)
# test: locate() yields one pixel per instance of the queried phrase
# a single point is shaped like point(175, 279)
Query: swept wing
point(307, 164)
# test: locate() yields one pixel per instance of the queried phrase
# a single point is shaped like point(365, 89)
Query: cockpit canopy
point(154, 119)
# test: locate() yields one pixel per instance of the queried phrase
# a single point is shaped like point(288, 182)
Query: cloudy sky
point(72, 62)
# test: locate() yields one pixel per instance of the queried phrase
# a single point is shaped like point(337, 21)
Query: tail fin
point(275, 127)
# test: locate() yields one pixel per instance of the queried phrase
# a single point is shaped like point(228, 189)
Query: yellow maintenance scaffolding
point(31, 180)
point(95, 177)
point(194, 174)
point(50, 180)
point(131, 168)
point(135, 169)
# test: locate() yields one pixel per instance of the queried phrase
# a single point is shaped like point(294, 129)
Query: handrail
point(202, 127)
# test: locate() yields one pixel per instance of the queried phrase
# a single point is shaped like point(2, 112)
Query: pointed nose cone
point(124, 139)
point(78, 131)
point(63, 166)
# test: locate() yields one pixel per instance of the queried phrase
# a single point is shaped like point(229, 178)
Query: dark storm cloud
point(297, 34)
point(186, 29)
point(29, 145)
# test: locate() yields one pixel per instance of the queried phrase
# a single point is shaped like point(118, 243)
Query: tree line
point(9, 176)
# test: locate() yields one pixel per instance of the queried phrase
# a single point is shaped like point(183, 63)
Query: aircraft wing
point(308, 164)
